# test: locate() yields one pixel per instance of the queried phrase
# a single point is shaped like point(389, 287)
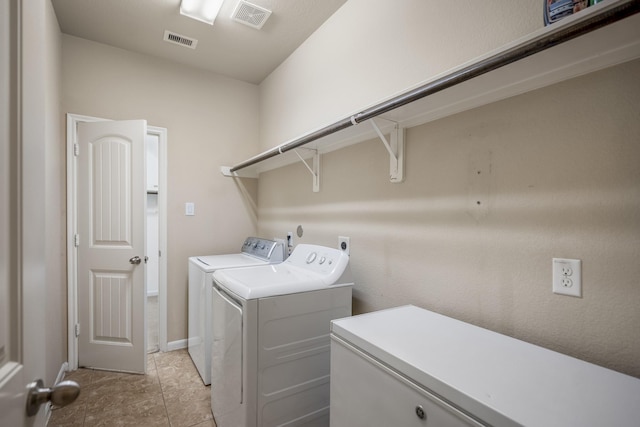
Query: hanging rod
point(501, 59)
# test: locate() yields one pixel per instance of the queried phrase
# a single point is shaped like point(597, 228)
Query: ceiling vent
point(250, 14)
point(171, 37)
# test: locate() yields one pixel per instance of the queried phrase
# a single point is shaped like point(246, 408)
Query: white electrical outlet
point(567, 277)
point(344, 243)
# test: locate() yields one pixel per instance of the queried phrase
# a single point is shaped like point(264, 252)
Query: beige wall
point(562, 181)
point(368, 51)
point(211, 121)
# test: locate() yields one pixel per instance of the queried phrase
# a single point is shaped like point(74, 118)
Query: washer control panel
point(263, 248)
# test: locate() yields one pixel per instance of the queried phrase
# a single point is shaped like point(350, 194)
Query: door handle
point(61, 394)
point(135, 260)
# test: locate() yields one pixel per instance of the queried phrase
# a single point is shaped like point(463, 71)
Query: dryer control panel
point(328, 262)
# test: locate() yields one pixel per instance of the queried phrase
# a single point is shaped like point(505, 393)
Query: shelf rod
point(553, 38)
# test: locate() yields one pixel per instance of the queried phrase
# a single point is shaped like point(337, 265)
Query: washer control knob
point(311, 257)
point(322, 260)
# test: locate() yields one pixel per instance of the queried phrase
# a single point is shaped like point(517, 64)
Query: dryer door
point(226, 358)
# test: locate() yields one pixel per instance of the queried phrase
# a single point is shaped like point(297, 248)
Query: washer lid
point(214, 262)
point(267, 280)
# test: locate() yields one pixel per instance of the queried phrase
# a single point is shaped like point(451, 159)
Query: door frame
point(72, 227)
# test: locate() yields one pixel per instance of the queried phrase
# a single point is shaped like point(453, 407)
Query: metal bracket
point(395, 149)
point(226, 171)
point(315, 171)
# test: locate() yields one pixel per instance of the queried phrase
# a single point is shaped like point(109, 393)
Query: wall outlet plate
point(344, 243)
point(567, 277)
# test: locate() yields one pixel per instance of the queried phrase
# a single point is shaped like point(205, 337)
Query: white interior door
point(111, 210)
point(22, 265)
point(12, 370)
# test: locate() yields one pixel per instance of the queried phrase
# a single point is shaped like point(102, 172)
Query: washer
point(270, 358)
point(255, 251)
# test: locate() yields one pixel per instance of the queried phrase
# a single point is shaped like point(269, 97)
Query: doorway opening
point(156, 240)
point(152, 147)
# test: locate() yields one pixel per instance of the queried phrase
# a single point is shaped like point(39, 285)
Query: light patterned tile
point(176, 378)
point(178, 372)
point(150, 412)
point(208, 423)
point(101, 376)
point(82, 376)
point(67, 416)
point(171, 393)
point(108, 395)
point(171, 357)
point(188, 407)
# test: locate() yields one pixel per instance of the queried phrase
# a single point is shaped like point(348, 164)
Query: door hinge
point(77, 329)
point(76, 149)
point(76, 240)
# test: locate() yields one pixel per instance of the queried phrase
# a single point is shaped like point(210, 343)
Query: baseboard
point(61, 373)
point(177, 345)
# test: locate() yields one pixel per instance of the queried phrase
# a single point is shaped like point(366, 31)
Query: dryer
point(254, 251)
point(271, 325)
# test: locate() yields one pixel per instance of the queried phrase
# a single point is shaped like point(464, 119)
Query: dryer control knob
point(311, 257)
point(322, 260)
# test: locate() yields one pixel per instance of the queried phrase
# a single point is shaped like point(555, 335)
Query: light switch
point(189, 208)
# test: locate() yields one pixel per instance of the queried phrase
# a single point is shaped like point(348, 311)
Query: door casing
point(72, 227)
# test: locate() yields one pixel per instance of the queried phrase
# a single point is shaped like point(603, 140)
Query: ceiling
point(228, 47)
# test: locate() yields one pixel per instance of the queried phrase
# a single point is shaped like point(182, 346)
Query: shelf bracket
point(226, 171)
point(315, 170)
point(395, 149)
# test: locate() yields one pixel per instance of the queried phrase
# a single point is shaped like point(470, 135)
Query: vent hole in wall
point(249, 14)
point(175, 38)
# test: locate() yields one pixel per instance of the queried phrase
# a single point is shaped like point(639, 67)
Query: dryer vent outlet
point(344, 244)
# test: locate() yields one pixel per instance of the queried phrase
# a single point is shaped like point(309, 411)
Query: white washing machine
point(255, 251)
point(407, 366)
point(270, 358)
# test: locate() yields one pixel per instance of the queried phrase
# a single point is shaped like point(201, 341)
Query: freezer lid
point(499, 379)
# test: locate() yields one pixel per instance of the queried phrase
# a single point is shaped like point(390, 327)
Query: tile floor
point(152, 324)
point(170, 394)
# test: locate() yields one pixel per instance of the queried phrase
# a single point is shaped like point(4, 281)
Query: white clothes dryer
point(255, 251)
point(271, 325)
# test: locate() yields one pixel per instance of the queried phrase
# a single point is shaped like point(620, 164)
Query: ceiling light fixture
point(201, 10)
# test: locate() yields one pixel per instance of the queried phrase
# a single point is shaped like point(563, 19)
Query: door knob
point(135, 260)
point(61, 394)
